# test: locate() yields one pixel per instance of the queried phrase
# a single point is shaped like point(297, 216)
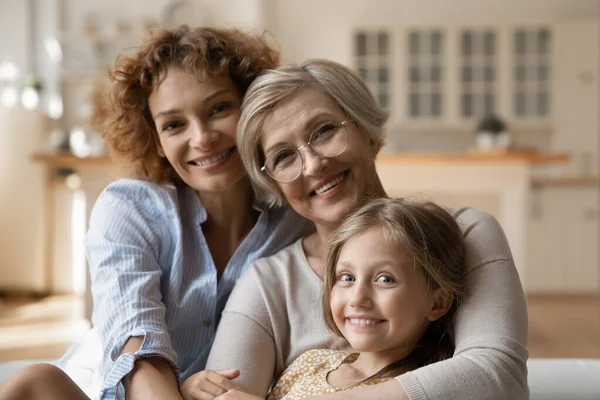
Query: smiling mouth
point(330, 185)
point(363, 322)
point(204, 162)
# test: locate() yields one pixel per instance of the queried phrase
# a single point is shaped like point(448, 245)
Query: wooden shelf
point(566, 182)
point(69, 160)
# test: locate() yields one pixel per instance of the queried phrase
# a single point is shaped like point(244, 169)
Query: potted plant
point(492, 133)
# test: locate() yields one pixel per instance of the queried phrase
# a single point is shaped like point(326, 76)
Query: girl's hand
point(208, 385)
point(236, 394)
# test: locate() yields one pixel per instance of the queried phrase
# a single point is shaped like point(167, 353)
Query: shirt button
point(206, 322)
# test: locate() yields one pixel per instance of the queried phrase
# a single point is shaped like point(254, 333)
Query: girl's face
point(196, 123)
point(352, 172)
point(380, 301)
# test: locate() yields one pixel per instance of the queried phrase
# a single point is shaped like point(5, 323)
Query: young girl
point(394, 277)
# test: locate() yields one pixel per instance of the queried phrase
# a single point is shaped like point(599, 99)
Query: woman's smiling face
point(348, 177)
point(196, 123)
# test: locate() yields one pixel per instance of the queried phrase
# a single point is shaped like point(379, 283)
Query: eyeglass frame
point(344, 123)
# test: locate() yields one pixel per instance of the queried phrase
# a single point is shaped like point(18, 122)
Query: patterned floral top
point(307, 375)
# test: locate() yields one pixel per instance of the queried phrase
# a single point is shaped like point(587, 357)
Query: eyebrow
point(308, 127)
point(208, 98)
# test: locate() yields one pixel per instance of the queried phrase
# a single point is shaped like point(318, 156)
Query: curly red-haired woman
point(166, 246)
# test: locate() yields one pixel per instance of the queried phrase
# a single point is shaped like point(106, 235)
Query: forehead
point(180, 86)
point(298, 114)
point(373, 245)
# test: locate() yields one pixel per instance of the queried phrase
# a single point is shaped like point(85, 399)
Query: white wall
point(14, 33)
point(318, 28)
point(247, 13)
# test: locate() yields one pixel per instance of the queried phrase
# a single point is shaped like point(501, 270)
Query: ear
point(375, 146)
point(159, 149)
point(441, 303)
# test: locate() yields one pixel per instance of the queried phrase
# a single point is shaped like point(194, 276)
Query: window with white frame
point(373, 62)
point(531, 73)
point(425, 73)
point(478, 75)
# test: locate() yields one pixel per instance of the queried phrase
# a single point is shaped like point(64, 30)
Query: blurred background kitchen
point(494, 104)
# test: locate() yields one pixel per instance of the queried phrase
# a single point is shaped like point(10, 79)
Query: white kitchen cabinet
point(563, 240)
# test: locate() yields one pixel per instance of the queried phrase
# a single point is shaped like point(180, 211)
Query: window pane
point(436, 104)
point(414, 75)
point(436, 43)
point(489, 74)
point(467, 74)
point(363, 73)
point(520, 109)
point(382, 43)
point(414, 105)
point(361, 44)
point(467, 43)
point(414, 43)
point(542, 104)
point(488, 103)
point(520, 47)
point(384, 100)
point(543, 41)
point(436, 74)
point(520, 73)
point(489, 43)
point(467, 105)
point(543, 73)
point(383, 75)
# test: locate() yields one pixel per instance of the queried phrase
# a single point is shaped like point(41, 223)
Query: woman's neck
point(227, 208)
point(230, 217)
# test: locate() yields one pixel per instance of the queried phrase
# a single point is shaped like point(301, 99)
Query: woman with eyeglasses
point(308, 136)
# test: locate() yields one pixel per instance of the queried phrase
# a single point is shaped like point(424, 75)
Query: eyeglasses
point(328, 140)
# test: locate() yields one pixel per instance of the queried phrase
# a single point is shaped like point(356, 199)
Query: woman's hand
point(236, 394)
point(208, 385)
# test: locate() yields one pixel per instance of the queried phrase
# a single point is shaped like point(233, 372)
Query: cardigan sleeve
point(244, 339)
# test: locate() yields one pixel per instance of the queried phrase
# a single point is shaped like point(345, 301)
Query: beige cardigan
point(274, 314)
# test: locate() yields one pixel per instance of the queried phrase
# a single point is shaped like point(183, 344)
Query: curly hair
point(126, 122)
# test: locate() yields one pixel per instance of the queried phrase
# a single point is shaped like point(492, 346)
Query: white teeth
point(356, 321)
point(212, 160)
point(330, 184)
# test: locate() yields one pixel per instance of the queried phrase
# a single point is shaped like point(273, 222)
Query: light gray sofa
point(549, 378)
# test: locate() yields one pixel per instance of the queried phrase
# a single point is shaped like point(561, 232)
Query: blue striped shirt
point(153, 275)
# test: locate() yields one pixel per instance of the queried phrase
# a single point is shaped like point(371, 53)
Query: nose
point(360, 296)
point(203, 136)
point(313, 162)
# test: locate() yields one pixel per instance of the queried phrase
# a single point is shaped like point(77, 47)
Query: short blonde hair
point(431, 236)
point(343, 85)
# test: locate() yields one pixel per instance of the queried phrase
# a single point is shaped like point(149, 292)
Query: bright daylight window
point(425, 74)
point(478, 75)
point(373, 62)
point(531, 76)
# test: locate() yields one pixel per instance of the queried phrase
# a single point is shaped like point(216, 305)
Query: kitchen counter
point(498, 182)
point(510, 156)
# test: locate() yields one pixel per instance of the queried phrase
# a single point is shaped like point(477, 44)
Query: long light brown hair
point(431, 236)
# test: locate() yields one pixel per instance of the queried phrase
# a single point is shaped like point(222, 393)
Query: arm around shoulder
point(490, 327)
point(244, 339)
